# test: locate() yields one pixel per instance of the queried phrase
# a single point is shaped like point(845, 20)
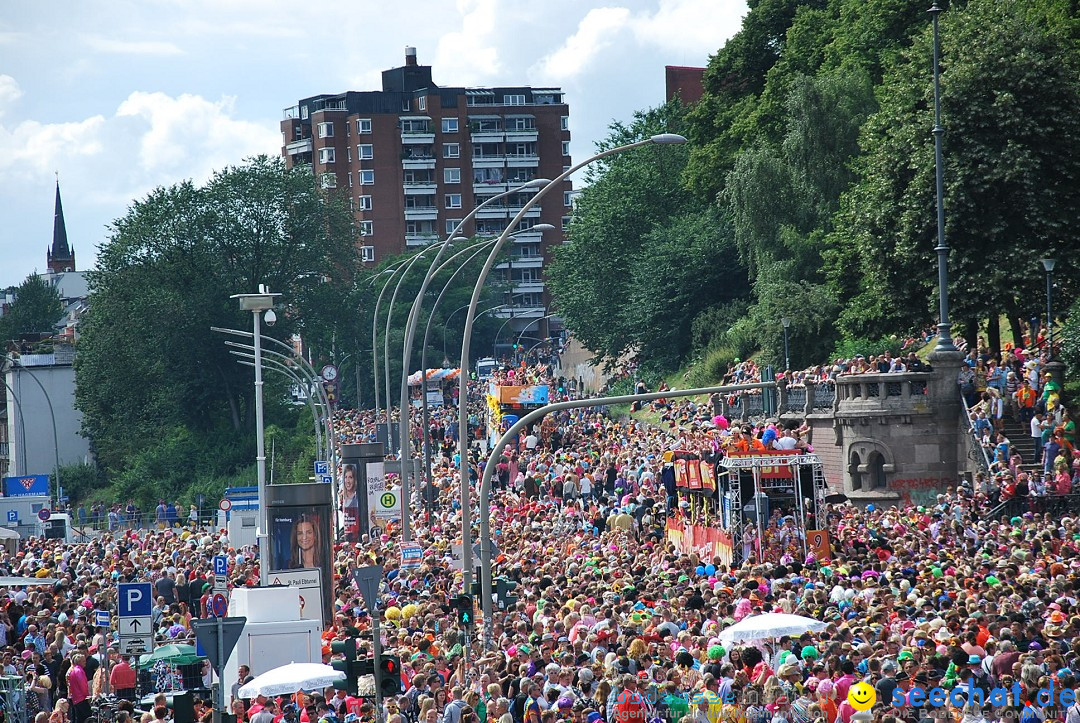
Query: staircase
point(1019, 435)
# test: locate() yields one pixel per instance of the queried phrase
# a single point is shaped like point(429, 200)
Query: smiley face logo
point(862, 696)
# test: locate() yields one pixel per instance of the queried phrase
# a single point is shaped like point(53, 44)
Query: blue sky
point(121, 96)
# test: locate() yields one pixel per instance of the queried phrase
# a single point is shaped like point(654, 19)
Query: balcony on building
point(521, 129)
point(486, 129)
point(528, 287)
point(421, 213)
point(524, 311)
point(418, 158)
point(416, 129)
point(298, 147)
point(419, 188)
point(522, 262)
point(417, 239)
point(522, 160)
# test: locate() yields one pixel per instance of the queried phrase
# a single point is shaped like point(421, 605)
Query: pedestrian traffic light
point(503, 588)
point(477, 586)
point(389, 676)
point(346, 647)
point(463, 605)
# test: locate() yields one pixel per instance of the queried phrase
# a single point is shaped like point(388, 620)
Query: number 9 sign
point(819, 544)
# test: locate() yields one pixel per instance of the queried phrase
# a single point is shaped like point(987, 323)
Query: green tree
point(628, 196)
point(37, 308)
point(155, 385)
point(1011, 109)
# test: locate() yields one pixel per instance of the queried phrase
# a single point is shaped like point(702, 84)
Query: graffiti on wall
point(921, 490)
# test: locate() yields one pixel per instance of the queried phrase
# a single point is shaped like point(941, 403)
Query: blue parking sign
point(321, 467)
point(13, 516)
point(221, 566)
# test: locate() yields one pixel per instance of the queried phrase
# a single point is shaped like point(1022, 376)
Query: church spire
point(61, 256)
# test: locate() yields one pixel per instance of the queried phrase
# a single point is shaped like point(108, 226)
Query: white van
point(485, 368)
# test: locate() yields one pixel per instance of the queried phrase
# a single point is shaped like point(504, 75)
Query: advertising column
point(300, 539)
point(354, 509)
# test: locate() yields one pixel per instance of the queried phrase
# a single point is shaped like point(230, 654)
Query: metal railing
point(1054, 505)
point(976, 451)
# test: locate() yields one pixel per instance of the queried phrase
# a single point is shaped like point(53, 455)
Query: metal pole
point(22, 424)
point(1049, 316)
point(52, 415)
point(787, 354)
point(470, 317)
point(423, 354)
point(260, 457)
point(386, 340)
point(944, 342)
point(526, 420)
point(220, 698)
point(376, 648)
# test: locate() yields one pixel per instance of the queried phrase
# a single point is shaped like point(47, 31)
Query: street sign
point(135, 622)
point(308, 582)
point(411, 556)
point(218, 638)
point(225, 505)
point(13, 516)
point(44, 514)
point(321, 467)
point(326, 479)
point(219, 605)
point(101, 618)
point(221, 565)
point(388, 504)
point(136, 599)
point(368, 579)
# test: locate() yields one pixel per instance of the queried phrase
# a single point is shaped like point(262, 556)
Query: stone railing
point(883, 389)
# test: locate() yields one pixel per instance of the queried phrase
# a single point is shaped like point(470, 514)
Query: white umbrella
point(291, 678)
point(770, 625)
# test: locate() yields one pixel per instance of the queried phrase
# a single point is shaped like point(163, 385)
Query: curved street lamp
point(463, 392)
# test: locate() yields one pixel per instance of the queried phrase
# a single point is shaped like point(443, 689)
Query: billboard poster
point(348, 503)
point(708, 476)
point(33, 485)
point(301, 532)
point(376, 485)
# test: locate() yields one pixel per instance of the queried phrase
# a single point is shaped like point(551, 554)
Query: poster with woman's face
point(348, 504)
point(301, 538)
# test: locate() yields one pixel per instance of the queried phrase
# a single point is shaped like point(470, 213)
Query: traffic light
point(463, 606)
point(477, 586)
point(348, 666)
point(503, 588)
point(389, 676)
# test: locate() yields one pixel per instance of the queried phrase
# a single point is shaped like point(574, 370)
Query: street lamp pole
point(787, 356)
point(257, 304)
point(1048, 265)
point(944, 342)
point(463, 378)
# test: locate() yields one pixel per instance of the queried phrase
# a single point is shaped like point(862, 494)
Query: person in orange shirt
point(1025, 400)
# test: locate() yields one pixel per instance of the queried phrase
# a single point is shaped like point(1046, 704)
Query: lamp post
point(410, 333)
point(787, 356)
point(521, 335)
point(52, 415)
point(463, 378)
point(944, 342)
point(257, 304)
point(1048, 265)
point(375, 334)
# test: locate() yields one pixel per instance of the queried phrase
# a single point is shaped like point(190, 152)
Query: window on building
point(327, 155)
point(367, 178)
point(564, 123)
point(366, 228)
point(451, 224)
point(453, 200)
point(449, 125)
point(406, 104)
point(568, 198)
point(329, 180)
point(367, 254)
point(451, 175)
point(303, 112)
point(326, 130)
point(566, 148)
point(350, 181)
point(364, 202)
point(517, 99)
point(451, 150)
point(365, 151)
point(363, 125)
point(421, 103)
point(565, 223)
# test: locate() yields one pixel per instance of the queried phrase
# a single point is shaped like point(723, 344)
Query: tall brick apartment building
point(415, 158)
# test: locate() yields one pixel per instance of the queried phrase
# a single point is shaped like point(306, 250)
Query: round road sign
point(225, 505)
point(44, 514)
point(219, 605)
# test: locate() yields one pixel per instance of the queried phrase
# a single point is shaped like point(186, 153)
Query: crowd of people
point(613, 622)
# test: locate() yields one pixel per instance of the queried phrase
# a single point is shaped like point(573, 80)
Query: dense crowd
point(612, 621)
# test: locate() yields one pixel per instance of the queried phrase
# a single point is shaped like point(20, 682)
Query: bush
point(84, 482)
point(711, 369)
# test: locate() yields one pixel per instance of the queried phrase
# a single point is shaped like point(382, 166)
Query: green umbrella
point(169, 653)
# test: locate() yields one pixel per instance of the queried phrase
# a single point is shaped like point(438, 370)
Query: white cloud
point(37, 149)
point(9, 92)
point(133, 47)
point(596, 31)
point(689, 28)
point(190, 134)
point(470, 55)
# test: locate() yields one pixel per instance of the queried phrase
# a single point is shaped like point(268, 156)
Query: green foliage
point(710, 370)
point(1011, 107)
point(37, 308)
point(163, 400)
point(84, 482)
point(1070, 343)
